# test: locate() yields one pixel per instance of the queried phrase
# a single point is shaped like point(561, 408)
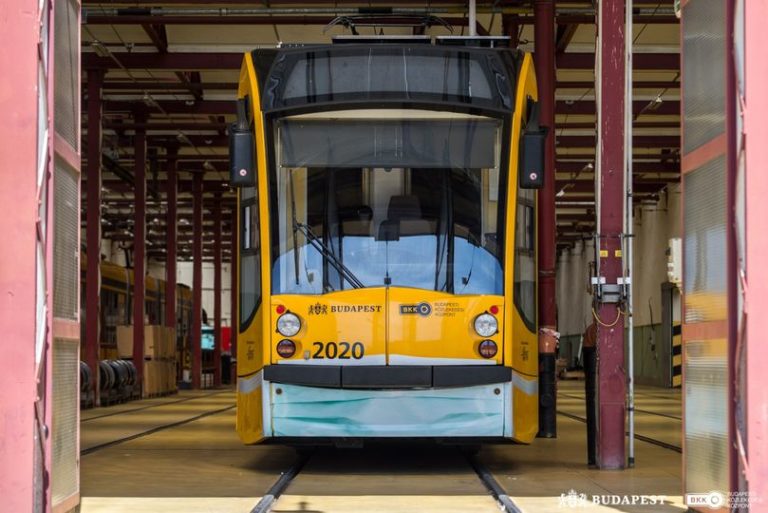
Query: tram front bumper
point(388, 402)
point(300, 411)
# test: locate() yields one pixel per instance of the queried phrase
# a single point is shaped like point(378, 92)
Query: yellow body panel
point(252, 352)
point(349, 316)
point(523, 353)
point(446, 334)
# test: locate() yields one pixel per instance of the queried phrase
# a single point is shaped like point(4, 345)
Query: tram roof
point(359, 71)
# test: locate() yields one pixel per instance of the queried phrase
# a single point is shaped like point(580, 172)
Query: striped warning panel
point(677, 354)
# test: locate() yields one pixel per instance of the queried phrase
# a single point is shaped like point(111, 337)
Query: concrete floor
point(201, 466)
point(537, 475)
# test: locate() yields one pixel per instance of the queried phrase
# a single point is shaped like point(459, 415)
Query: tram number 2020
point(341, 350)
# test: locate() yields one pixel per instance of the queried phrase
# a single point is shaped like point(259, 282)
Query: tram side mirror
point(242, 166)
point(532, 148)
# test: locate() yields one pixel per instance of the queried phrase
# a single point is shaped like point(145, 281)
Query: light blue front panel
point(333, 412)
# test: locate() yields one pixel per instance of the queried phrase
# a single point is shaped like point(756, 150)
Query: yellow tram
point(387, 250)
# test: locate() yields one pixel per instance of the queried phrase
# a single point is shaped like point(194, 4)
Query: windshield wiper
point(295, 239)
point(320, 246)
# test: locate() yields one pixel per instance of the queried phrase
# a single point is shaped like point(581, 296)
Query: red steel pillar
point(756, 130)
point(217, 290)
point(197, 279)
point(20, 25)
point(139, 244)
point(170, 238)
point(611, 375)
point(93, 231)
point(544, 35)
point(235, 325)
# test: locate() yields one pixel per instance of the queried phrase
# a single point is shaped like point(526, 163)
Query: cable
point(619, 313)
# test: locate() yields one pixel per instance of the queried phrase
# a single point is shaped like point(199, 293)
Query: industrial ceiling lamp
point(183, 139)
point(99, 48)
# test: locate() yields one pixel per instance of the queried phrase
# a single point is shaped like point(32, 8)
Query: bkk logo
point(423, 309)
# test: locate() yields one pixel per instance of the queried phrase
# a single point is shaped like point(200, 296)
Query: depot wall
point(655, 224)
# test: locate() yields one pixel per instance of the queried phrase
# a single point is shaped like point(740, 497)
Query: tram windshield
point(376, 198)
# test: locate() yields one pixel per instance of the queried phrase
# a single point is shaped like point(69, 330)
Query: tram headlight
point(486, 325)
point(487, 349)
point(288, 324)
point(286, 348)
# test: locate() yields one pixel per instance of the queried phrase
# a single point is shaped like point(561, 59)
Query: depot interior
point(152, 103)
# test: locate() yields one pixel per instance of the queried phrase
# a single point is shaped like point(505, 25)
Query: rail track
point(150, 406)
point(148, 432)
point(270, 498)
point(638, 410)
point(642, 438)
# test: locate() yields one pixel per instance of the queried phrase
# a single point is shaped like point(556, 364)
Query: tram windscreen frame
point(402, 198)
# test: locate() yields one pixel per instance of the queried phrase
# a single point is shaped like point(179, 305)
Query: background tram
point(117, 306)
point(387, 251)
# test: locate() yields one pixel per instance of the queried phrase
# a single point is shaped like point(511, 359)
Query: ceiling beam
point(583, 107)
point(564, 36)
point(258, 19)
point(637, 124)
point(565, 166)
point(157, 35)
point(214, 61)
point(140, 16)
point(142, 85)
point(174, 106)
point(193, 163)
point(588, 186)
point(184, 186)
point(145, 85)
point(563, 141)
point(586, 84)
point(638, 141)
point(586, 107)
point(169, 125)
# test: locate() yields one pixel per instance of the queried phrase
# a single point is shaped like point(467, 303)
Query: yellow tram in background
point(387, 250)
point(116, 309)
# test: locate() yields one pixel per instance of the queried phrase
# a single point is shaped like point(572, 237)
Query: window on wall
point(250, 255)
point(525, 257)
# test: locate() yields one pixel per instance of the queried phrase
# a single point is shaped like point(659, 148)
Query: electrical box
point(532, 151)
point(242, 166)
point(675, 261)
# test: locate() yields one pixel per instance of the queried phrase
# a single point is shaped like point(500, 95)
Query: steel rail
point(493, 486)
point(642, 438)
point(111, 443)
point(641, 410)
point(151, 406)
point(276, 490)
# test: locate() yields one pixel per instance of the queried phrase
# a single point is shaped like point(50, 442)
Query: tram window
point(410, 199)
point(250, 259)
point(525, 258)
point(433, 229)
point(350, 73)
